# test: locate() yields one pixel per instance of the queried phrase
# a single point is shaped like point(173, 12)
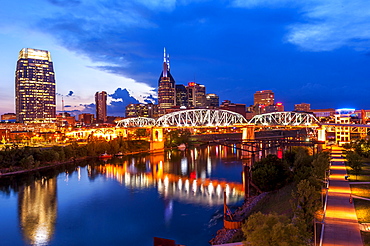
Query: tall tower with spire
point(166, 87)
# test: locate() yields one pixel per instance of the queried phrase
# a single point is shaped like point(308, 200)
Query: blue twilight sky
point(310, 51)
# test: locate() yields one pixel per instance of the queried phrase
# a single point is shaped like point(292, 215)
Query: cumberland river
point(123, 201)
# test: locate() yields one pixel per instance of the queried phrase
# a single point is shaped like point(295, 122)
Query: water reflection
point(38, 210)
point(183, 178)
point(180, 178)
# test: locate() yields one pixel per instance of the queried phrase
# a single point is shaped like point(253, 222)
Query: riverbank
point(5, 171)
point(241, 214)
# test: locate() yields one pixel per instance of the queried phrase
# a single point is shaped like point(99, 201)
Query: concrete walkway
point(341, 224)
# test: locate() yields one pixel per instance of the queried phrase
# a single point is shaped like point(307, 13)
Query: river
point(175, 195)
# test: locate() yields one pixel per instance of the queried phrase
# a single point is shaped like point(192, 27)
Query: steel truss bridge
point(220, 118)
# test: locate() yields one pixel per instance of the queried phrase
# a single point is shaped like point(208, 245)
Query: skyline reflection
point(37, 208)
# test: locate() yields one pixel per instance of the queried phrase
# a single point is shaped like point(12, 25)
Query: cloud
point(324, 25)
point(333, 24)
point(120, 99)
point(65, 3)
point(261, 3)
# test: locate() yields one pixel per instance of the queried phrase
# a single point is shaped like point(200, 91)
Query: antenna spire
point(164, 55)
point(165, 65)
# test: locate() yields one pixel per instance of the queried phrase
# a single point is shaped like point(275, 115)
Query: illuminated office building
point(302, 107)
point(35, 87)
point(265, 97)
point(142, 110)
point(182, 96)
point(101, 106)
point(166, 88)
point(212, 101)
point(196, 95)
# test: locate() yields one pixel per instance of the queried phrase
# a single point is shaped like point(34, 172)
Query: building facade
point(86, 119)
point(302, 107)
point(264, 97)
point(9, 117)
point(235, 107)
point(142, 110)
point(212, 100)
point(196, 95)
point(166, 88)
point(35, 87)
point(101, 106)
point(182, 99)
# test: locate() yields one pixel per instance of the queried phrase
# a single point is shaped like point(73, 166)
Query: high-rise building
point(196, 95)
point(182, 99)
point(35, 87)
point(265, 97)
point(101, 106)
point(166, 88)
point(212, 101)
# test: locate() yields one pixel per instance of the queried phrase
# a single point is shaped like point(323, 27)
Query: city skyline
point(311, 52)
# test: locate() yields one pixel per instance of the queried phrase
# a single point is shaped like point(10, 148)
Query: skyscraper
point(212, 100)
point(35, 87)
point(181, 96)
point(196, 95)
point(166, 88)
point(101, 106)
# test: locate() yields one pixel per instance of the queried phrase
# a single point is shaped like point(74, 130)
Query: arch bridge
point(220, 118)
point(284, 119)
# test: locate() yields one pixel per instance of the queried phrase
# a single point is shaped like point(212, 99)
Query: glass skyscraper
point(35, 87)
point(101, 106)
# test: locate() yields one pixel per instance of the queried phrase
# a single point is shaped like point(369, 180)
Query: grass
point(362, 190)
point(362, 210)
point(364, 175)
point(277, 201)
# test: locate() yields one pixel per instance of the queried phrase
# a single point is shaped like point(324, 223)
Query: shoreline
point(7, 174)
point(240, 214)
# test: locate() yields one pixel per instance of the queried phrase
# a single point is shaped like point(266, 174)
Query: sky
point(309, 51)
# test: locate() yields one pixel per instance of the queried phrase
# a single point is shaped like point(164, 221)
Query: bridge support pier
point(248, 133)
point(246, 179)
point(156, 140)
point(321, 136)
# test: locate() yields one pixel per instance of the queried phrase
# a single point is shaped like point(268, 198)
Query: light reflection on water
point(181, 193)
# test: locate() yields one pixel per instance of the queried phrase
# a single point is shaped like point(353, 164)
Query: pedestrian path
point(341, 224)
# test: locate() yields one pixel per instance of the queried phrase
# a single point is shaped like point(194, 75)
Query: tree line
point(307, 173)
point(15, 158)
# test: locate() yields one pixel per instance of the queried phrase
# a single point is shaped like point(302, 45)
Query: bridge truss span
point(137, 122)
point(284, 119)
point(201, 117)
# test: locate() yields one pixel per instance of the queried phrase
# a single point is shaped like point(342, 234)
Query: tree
point(271, 229)
point(270, 173)
point(141, 132)
point(305, 203)
point(27, 162)
point(176, 137)
point(354, 161)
